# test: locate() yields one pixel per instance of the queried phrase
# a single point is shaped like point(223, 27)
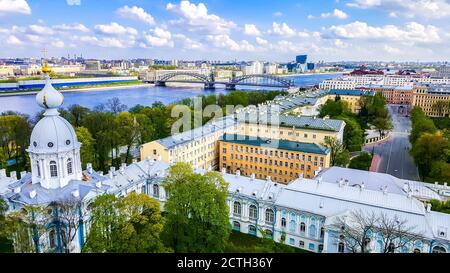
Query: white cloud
point(410, 9)
point(14, 7)
point(40, 30)
point(136, 13)
point(13, 40)
point(412, 32)
point(251, 30)
point(106, 42)
point(115, 29)
point(281, 30)
point(188, 43)
point(278, 14)
point(197, 18)
point(159, 38)
point(71, 27)
point(340, 44)
point(58, 44)
point(73, 2)
point(391, 50)
point(337, 13)
point(261, 41)
point(224, 41)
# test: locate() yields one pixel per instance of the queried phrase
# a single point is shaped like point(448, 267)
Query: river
point(132, 96)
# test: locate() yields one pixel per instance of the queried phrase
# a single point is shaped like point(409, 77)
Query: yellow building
point(280, 160)
point(197, 147)
point(352, 97)
point(427, 96)
point(292, 128)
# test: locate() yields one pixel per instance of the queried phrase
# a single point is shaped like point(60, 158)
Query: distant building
point(301, 59)
point(253, 68)
point(426, 98)
point(92, 65)
point(310, 66)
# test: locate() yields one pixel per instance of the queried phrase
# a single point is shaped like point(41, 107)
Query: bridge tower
point(212, 81)
point(231, 85)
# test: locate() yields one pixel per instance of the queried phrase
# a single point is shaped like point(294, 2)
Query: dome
point(53, 134)
point(49, 97)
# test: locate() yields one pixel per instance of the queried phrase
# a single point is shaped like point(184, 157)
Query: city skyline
point(211, 30)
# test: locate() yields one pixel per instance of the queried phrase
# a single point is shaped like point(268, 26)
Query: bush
point(361, 162)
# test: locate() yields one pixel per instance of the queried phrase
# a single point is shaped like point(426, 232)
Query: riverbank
point(85, 89)
point(312, 74)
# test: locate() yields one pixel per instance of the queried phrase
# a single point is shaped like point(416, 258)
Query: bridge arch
point(269, 80)
point(167, 77)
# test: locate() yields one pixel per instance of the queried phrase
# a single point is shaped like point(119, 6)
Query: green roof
point(275, 144)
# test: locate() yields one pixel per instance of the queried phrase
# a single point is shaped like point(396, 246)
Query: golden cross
point(45, 53)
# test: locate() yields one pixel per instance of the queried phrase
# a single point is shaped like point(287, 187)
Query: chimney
point(363, 186)
point(98, 184)
point(3, 173)
point(445, 185)
point(13, 175)
point(22, 174)
point(100, 173)
point(428, 207)
point(89, 168)
point(76, 193)
point(238, 173)
point(32, 194)
point(406, 187)
point(224, 170)
point(252, 177)
point(341, 182)
point(319, 180)
point(385, 190)
point(410, 194)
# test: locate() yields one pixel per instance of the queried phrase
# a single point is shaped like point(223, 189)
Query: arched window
point(236, 226)
point(69, 166)
point(269, 216)
point(439, 249)
point(237, 209)
point(283, 222)
point(52, 239)
point(341, 247)
point(38, 168)
point(312, 231)
point(268, 234)
point(292, 226)
point(156, 190)
point(253, 212)
point(252, 230)
point(322, 232)
point(416, 250)
point(320, 248)
point(53, 169)
point(302, 227)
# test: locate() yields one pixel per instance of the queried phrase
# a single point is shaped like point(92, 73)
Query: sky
point(328, 30)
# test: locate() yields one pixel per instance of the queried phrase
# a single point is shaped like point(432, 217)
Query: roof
point(305, 122)
point(280, 144)
point(206, 130)
point(351, 92)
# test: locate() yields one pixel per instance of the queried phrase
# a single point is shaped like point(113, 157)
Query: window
point(291, 241)
point(252, 230)
point(69, 166)
point(391, 248)
point(311, 246)
point(439, 249)
point(341, 247)
point(416, 250)
point(156, 190)
point(38, 168)
point(51, 237)
point(320, 248)
point(283, 222)
point(236, 226)
point(312, 231)
point(143, 189)
point(301, 244)
point(269, 216)
point(292, 226)
point(237, 209)
point(53, 169)
point(155, 152)
point(268, 234)
point(322, 232)
point(302, 227)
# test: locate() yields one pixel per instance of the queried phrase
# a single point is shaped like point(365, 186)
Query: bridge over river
point(210, 82)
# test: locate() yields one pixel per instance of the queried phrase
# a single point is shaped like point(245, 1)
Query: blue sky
point(329, 30)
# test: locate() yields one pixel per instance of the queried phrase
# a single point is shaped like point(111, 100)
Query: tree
point(420, 124)
point(197, 211)
point(358, 228)
point(128, 131)
point(87, 152)
point(361, 162)
point(427, 149)
point(382, 125)
point(78, 112)
point(334, 108)
point(339, 155)
point(129, 225)
point(353, 134)
point(115, 106)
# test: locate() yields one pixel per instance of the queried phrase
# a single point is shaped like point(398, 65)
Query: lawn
point(244, 243)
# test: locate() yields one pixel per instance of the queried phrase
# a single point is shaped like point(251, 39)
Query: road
point(394, 153)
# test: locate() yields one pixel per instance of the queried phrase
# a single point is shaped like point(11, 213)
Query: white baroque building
point(303, 211)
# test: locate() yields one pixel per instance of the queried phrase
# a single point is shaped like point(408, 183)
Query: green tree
point(339, 155)
point(129, 225)
point(196, 211)
point(428, 149)
point(78, 112)
point(333, 109)
point(128, 131)
point(353, 134)
point(382, 125)
point(421, 124)
point(87, 152)
point(361, 162)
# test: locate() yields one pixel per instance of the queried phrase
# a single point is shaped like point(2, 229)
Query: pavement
point(394, 152)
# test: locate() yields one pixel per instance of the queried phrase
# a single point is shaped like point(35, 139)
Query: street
point(394, 152)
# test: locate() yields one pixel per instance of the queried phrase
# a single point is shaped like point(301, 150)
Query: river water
point(132, 96)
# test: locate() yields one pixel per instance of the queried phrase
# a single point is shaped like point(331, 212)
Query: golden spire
point(45, 68)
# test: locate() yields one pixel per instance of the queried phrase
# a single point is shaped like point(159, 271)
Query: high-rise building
point(301, 59)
